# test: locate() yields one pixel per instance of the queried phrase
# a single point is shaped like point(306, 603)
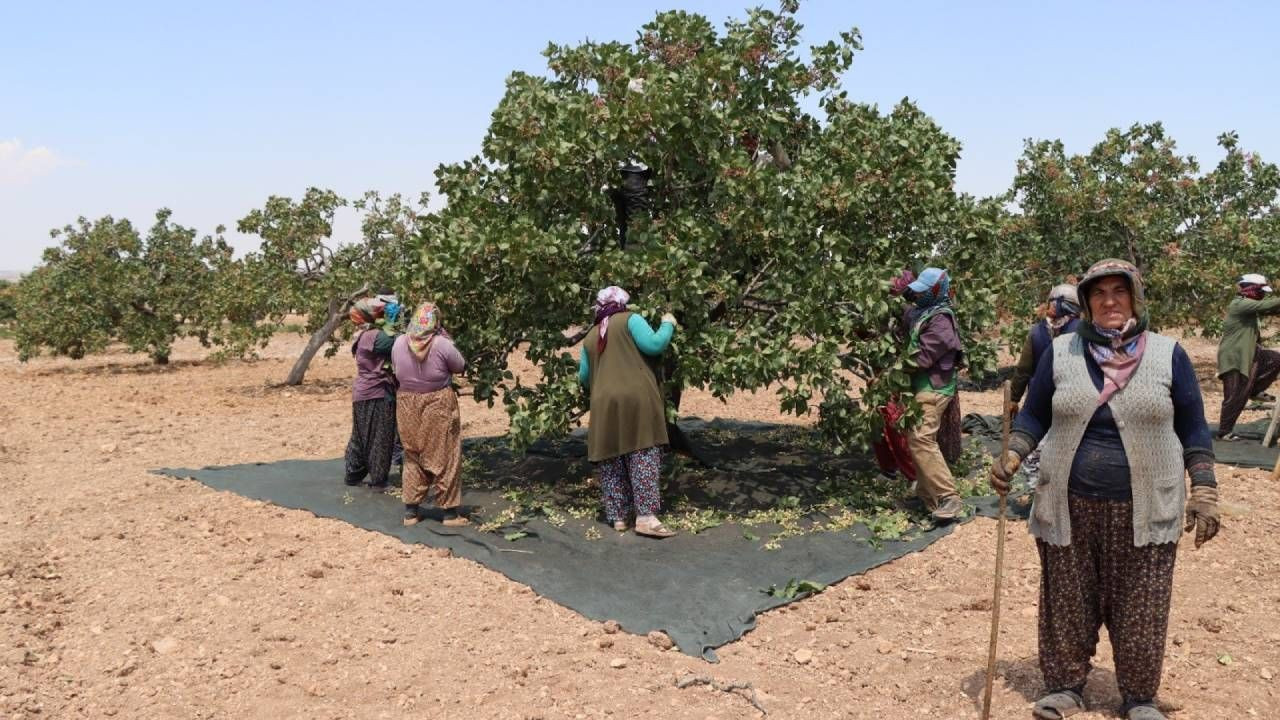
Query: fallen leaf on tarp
point(514, 536)
point(795, 589)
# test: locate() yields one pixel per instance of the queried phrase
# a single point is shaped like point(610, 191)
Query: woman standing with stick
point(1121, 416)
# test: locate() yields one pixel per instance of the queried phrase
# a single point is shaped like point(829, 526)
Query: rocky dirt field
point(125, 594)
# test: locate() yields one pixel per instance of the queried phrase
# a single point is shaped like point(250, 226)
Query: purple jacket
point(940, 347)
point(443, 361)
point(372, 381)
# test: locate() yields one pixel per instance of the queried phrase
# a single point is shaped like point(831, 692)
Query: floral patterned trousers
point(630, 482)
point(1101, 578)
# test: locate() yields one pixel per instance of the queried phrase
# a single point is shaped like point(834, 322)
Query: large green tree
point(1134, 196)
point(106, 283)
point(769, 231)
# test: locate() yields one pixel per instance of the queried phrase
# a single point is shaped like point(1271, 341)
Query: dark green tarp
point(702, 589)
point(1247, 452)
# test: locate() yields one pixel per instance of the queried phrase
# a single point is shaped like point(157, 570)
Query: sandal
point(656, 530)
point(1144, 712)
point(1058, 704)
point(412, 517)
point(454, 520)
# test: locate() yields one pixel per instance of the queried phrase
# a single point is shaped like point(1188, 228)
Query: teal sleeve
point(584, 369)
point(648, 341)
point(383, 343)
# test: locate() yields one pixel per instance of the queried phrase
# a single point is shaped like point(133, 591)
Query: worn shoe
point(412, 516)
point(1144, 712)
point(453, 519)
point(1230, 437)
point(949, 510)
point(1058, 704)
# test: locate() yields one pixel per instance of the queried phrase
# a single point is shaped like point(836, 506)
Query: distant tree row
point(105, 282)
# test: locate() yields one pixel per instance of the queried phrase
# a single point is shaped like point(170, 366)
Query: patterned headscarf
point(1118, 360)
point(1064, 306)
point(364, 312)
point(609, 301)
point(423, 328)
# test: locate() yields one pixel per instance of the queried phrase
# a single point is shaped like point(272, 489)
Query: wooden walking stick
point(995, 599)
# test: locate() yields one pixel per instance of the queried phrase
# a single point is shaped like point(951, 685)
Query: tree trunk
point(338, 308)
point(676, 439)
point(317, 341)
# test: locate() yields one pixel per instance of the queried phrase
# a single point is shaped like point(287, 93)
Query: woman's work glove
point(1003, 470)
point(1202, 513)
point(669, 318)
point(1004, 467)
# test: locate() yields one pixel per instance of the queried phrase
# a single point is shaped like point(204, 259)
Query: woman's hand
point(669, 318)
point(1002, 471)
point(1202, 513)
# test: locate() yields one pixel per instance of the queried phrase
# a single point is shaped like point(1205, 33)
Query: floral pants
point(1102, 579)
point(630, 482)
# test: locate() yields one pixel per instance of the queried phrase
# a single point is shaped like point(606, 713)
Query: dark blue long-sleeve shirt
point(1100, 467)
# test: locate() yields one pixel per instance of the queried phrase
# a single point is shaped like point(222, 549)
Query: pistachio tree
point(299, 269)
point(1134, 196)
point(687, 167)
point(105, 283)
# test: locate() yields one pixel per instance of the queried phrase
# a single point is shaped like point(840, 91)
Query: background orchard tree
point(8, 302)
point(770, 233)
point(299, 269)
point(104, 283)
point(1134, 197)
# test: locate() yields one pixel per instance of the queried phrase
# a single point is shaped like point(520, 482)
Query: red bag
point(892, 453)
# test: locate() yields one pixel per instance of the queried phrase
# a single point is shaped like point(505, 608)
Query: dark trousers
point(1237, 389)
point(373, 432)
point(1102, 579)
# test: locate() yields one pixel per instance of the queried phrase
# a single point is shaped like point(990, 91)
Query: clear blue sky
point(122, 108)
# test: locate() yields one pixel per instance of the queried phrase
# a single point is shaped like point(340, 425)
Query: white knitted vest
point(1143, 412)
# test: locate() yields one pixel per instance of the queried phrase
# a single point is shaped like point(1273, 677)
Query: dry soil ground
point(124, 594)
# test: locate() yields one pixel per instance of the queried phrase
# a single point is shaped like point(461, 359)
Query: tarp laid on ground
point(702, 589)
point(1246, 452)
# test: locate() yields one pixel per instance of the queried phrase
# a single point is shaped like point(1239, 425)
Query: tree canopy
point(769, 231)
point(1134, 196)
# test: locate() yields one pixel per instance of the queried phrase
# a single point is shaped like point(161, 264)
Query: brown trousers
point(934, 483)
point(1101, 578)
point(431, 432)
point(1237, 388)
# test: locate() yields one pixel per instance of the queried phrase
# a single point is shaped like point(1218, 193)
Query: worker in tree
point(1244, 368)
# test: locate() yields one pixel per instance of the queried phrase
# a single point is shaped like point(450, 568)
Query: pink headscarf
point(1119, 360)
point(609, 301)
